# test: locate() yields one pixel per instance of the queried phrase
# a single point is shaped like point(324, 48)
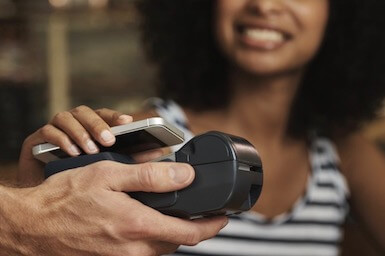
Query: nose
point(266, 7)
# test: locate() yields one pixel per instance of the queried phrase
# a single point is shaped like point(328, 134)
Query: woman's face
point(267, 37)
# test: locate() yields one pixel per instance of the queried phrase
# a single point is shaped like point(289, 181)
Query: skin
point(85, 212)
point(265, 77)
point(301, 21)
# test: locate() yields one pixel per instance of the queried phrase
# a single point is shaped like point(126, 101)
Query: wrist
point(14, 214)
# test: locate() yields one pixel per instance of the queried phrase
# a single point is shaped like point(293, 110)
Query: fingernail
point(91, 146)
point(179, 173)
point(125, 118)
point(74, 149)
point(107, 136)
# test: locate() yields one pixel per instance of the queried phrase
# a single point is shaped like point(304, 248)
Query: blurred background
point(57, 54)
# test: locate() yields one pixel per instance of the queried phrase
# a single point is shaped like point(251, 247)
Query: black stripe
point(314, 222)
point(324, 204)
point(276, 240)
point(326, 185)
point(181, 123)
point(320, 149)
point(166, 104)
point(289, 222)
point(180, 252)
point(329, 166)
point(235, 217)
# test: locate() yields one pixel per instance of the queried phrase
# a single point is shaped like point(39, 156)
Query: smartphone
point(131, 138)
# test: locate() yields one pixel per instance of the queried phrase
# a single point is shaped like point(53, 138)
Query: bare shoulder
point(363, 165)
point(356, 151)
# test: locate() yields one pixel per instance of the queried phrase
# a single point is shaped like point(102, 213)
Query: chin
point(264, 69)
point(269, 63)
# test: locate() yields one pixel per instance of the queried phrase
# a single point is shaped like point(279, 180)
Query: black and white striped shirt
point(312, 227)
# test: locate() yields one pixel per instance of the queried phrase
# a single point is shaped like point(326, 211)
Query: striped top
point(312, 227)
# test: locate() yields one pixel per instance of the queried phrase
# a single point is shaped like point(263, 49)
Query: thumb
point(149, 177)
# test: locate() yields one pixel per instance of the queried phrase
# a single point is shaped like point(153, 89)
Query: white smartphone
point(131, 138)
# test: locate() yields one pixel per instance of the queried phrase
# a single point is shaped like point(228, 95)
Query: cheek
point(224, 15)
point(313, 20)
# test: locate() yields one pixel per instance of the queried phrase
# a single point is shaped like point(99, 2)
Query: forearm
point(12, 213)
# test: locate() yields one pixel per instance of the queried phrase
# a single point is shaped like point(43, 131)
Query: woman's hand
point(71, 130)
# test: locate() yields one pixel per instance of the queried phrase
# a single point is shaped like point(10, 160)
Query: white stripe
point(320, 213)
point(326, 176)
point(178, 112)
point(221, 246)
point(289, 232)
point(325, 195)
point(329, 148)
point(319, 160)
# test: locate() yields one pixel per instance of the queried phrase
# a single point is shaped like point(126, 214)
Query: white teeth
point(264, 35)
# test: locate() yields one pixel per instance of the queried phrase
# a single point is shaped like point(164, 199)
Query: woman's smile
point(267, 38)
point(262, 37)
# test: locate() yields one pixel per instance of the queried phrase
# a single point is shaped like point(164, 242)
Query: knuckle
point(102, 167)
point(82, 136)
point(64, 115)
point(80, 109)
point(98, 169)
point(147, 176)
point(138, 229)
point(101, 110)
point(45, 130)
point(144, 229)
point(116, 114)
point(100, 172)
point(97, 123)
point(63, 141)
point(193, 237)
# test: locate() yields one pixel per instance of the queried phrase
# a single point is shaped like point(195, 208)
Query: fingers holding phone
point(129, 139)
point(83, 130)
point(84, 126)
point(67, 131)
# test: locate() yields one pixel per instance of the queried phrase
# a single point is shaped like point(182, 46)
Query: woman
point(297, 79)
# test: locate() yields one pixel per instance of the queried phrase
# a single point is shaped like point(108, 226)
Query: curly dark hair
point(343, 87)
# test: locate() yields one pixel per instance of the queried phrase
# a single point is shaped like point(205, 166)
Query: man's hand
point(86, 212)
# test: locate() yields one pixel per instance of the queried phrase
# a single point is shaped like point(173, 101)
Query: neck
point(263, 104)
point(259, 109)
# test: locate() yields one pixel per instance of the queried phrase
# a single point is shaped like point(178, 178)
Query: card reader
point(228, 176)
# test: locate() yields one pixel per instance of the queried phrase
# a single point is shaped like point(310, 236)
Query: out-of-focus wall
point(57, 54)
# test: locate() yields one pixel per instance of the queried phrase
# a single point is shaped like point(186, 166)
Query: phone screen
point(127, 144)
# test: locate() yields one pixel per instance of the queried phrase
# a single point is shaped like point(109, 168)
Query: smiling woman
point(179, 38)
point(297, 79)
point(270, 37)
